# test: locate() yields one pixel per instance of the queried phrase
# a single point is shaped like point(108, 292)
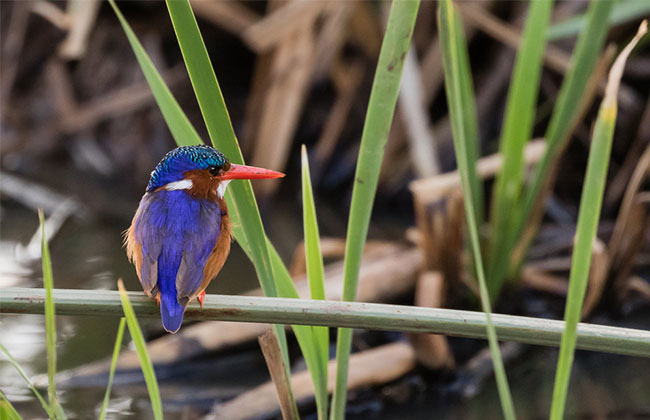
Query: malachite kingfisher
point(180, 235)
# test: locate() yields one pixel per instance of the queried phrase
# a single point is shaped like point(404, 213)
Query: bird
point(180, 236)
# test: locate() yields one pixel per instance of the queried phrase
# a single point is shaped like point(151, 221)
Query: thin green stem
point(590, 205)
point(381, 107)
point(19, 369)
point(141, 348)
point(516, 132)
point(453, 50)
point(111, 372)
point(565, 111)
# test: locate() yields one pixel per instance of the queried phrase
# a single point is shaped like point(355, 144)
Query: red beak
point(249, 172)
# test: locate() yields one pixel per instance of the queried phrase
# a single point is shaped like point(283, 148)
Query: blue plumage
point(182, 159)
point(180, 235)
point(177, 233)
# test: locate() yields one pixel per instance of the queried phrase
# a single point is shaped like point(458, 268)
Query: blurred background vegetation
point(81, 133)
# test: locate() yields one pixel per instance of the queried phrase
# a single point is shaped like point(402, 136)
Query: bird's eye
point(226, 166)
point(214, 171)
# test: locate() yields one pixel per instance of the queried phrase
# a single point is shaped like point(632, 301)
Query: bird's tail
point(171, 312)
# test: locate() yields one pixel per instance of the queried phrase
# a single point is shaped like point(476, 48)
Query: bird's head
point(202, 171)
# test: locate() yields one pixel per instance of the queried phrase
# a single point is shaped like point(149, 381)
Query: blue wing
point(198, 242)
point(177, 233)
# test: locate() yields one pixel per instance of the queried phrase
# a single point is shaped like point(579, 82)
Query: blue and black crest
point(182, 159)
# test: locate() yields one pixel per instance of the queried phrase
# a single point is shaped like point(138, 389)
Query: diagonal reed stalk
point(516, 131)
point(316, 278)
point(381, 107)
point(457, 80)
point(111, 371)
point(21, 372)
point(7, 411)
point(141, 349)
point(53, 408)
point(50, 322)
point(590, 205)
point(565, 112)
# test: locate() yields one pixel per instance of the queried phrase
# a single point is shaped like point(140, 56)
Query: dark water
point(88, 255)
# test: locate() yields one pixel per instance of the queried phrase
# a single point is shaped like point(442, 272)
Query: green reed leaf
point(565, 111)
point(7, 411)
point(449, 25)
point(379, 116)
point(141, 350)
point(589, 213)
point(516, 131)
point(111, 372)
point(50, 322)
point(316, 278)
point(29, 383)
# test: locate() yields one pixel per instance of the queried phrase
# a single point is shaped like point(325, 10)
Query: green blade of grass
point(379, 116)
point(623, 11)
point(204, 81)
point(313, 255)
point(516, 131)
point(21, 372)
point(469, 120)
point(240, 196)
point(111, 372)
point(565, 111)
point(50, 321)
point(316, 278)
point(143, 355)
point(7, 411)
point(448, 24)
point(590, 205)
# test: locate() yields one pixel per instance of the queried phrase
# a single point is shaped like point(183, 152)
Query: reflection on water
point(90, 256)
point(24, 338)
point(12, 273)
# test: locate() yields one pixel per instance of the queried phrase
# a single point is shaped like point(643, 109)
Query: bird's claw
point(200, 297)
point(158, 299)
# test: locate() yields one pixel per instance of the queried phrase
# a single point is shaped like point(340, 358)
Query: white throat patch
point(221, 189)
point(184, 184)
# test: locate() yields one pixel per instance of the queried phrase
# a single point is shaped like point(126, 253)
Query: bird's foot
point(158, 299)
point(200, 297)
